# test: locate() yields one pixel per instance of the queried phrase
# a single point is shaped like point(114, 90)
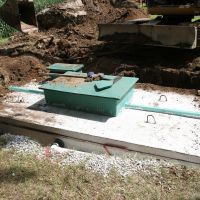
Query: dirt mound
point(15, 70)
point(77, 42)
point(162, 66)
point(57, 16)
point(85, 12)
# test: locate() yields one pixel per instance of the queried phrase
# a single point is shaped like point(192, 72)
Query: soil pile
point(60, 15)
point(86, 12)
point(77, 42)
point(19, 70)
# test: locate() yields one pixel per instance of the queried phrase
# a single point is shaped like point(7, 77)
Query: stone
point(60, 15)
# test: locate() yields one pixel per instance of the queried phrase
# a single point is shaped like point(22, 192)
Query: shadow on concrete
point(61, 110)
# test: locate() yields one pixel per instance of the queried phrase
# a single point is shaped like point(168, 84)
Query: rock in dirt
point(69, 12)
point(4, 76)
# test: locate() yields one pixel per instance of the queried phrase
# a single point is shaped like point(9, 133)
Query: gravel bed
point(21, 144)
point(103, 164)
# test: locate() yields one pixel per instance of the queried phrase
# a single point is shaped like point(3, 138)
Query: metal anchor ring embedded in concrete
point(20, 100)
point(151, 117)
point(162, 98)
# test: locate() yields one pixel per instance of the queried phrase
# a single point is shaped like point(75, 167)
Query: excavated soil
point(153, 87)
point(77, 42)
point(162, 66)
point(23, 56)
point(19, 70)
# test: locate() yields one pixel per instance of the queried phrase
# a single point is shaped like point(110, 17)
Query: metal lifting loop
point(148, 121)
point(20, 100)
point(161, 97)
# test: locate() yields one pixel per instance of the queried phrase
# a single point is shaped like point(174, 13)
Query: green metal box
point(81, 95)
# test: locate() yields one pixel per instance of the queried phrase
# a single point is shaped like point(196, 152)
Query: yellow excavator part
point(173, 27)
point(175, 10)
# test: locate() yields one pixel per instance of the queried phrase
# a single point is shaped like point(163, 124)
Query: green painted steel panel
point(117, 91)
point(86, 97)
point(102, 85)
point(90, 104)
point(83, 103)
point(62, 67)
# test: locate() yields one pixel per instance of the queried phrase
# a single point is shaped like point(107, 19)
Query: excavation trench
point(76, 41)
point(161, 66)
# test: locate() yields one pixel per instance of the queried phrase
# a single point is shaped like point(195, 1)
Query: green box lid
point(117, 91)
point(62, 67)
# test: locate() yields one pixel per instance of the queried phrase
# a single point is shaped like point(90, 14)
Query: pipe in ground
point(181, 113)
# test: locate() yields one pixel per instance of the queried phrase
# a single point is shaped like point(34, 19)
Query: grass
point(196, 18)
point(41, 4)
point(27, 177)
point(1, 2)
point(5, 30)
point(3, 41)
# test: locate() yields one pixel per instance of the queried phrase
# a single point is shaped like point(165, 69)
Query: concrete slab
point(171, 136)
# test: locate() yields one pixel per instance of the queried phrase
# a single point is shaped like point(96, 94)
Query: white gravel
point(21, 144)
point(102, 164)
